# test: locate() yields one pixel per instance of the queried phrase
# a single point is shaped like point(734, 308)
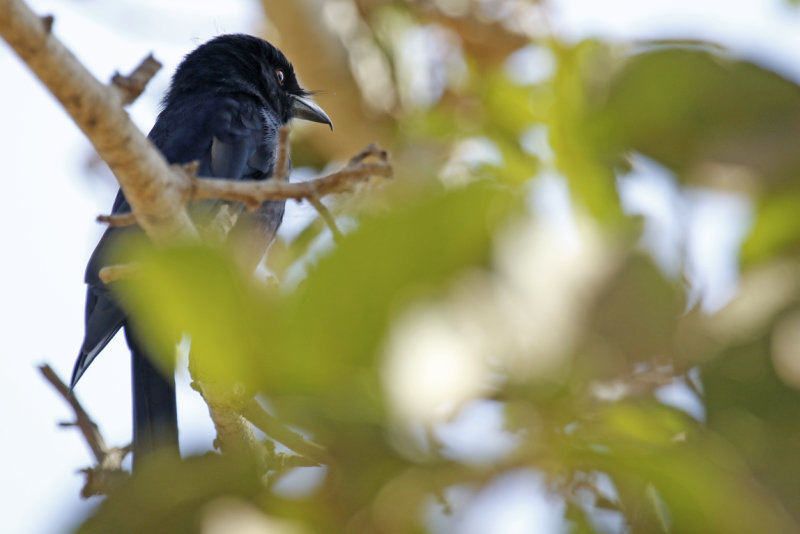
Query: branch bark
point(252, 193)
point(143, 173)
point(134, 84)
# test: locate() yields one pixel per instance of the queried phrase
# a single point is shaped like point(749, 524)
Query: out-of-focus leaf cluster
point(454, 289)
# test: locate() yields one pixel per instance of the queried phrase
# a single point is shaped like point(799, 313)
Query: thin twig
point(47, 22)
point(370, 150)
point(119, 219)
point(133, 85)
point(326, 215)
point(112, 273)
point(283, 462)
point(82, 420)
point(268, 424)
point(108, 471)
point(253, 193)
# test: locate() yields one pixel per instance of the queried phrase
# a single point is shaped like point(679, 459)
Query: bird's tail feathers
point(92, 346)
point(155, 420)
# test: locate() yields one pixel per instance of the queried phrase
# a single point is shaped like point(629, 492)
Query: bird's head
point(245, 64)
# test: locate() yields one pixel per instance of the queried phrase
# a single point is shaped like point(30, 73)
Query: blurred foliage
point(452, 287)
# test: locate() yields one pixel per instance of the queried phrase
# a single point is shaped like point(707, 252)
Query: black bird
point(226, 102)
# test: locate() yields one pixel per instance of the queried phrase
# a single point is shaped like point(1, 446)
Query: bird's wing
point(244, 147)
point(231, 138)
point(238, 132)
point(103, 318)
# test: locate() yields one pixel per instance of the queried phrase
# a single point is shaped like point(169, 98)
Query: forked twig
point(108, 471)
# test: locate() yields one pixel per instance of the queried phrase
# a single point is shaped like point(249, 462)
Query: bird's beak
point(307, 110)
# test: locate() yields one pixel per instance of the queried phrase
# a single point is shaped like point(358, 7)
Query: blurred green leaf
point(579, 522)
point(314, 354)
point(326, 334)
point(704, 484)
point(591, 178)
point(749, 405)
point(510, 106)
point(333, 324)
point(687, 107)
point(517, 166)
point(196, 289)
point(282, 256)
point(637, 313)
point(776, 230)
point(169, 496)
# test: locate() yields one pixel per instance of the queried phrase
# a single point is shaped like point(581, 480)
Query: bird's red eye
point(279, 75)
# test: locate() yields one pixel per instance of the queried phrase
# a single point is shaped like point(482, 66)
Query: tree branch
point(326, 215)
point(253, 193)
point(133, 85)
point(270, 426)
point(234, 433)
point(108, 471)
point(143, 173)
point(119, 219)
point(121, 271)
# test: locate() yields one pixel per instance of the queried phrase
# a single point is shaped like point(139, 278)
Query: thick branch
point(224, 406)
point(143, 173)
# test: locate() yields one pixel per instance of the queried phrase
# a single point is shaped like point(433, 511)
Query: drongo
point(224, 107)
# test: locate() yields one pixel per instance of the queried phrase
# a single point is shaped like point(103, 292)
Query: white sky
point(48, 229)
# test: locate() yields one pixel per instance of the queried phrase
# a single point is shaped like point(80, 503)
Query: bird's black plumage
point(226, 102)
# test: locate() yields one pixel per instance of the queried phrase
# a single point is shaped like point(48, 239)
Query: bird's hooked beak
point(307, 110)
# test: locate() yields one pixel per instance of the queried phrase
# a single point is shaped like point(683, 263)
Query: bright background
point(51, 199)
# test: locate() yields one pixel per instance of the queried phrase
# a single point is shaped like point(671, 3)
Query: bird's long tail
point(155, 420)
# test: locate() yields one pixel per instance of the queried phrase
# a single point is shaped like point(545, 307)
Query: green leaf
point(591, 178)
point(324, 336)
point(689, 107)
point(170, 496)
point(776, 230)
point(636, 313)
point(703, 484)
point(747, 403)
point(510, 106)
point(282, 256)
point(197, 290)
point(328, 331)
